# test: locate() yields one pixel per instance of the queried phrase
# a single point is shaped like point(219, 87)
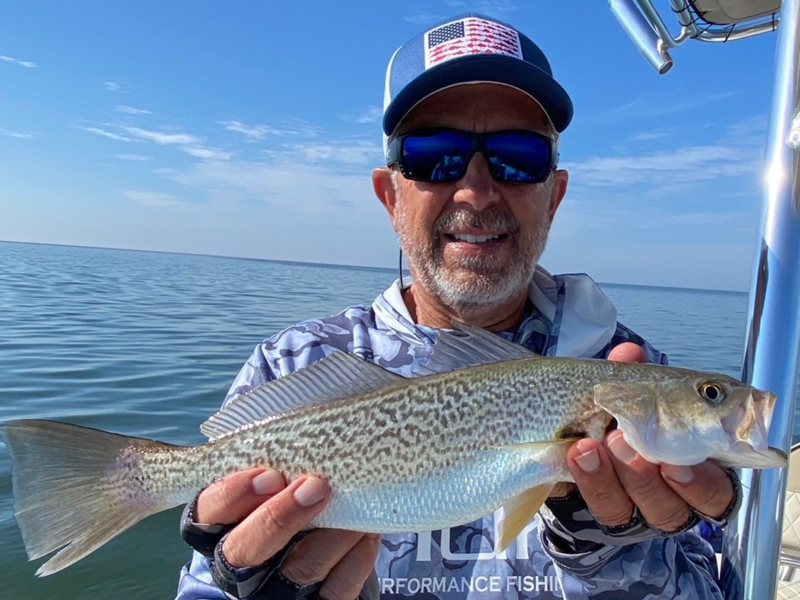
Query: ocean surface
point(146, 344)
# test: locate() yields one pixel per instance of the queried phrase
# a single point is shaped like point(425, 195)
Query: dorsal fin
point(470, 346)
point(337, 376)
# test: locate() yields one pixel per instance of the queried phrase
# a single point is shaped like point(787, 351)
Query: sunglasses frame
point(394, 152)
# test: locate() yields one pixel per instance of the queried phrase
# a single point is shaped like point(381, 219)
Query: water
point(147, 344)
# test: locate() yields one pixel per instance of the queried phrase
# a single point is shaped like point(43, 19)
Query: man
point(471, 185)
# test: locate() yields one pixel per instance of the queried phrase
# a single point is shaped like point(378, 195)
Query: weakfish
point(400, 454)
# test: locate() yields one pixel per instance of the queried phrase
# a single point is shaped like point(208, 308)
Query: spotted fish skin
point(410, 455)
point(431, 452)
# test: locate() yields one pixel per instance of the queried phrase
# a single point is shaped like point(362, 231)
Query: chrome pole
point(752, 541)
point(726, 34)
point(644, 37)
point(654, 18)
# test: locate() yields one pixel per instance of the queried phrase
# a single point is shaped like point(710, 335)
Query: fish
point(400, 454)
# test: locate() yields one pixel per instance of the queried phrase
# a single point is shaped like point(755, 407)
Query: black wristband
point(259, 582)
point(690, 522)
point(278, 583)
point(636, 524)
point(241, 582)
point(201, 537)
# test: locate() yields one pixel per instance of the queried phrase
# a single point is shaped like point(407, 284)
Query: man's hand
point(613, 478)
point(269, 514)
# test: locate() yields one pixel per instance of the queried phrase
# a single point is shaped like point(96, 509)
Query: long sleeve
point(681, 568)
point(195, 581)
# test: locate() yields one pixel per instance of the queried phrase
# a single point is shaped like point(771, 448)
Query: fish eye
point(711, 392)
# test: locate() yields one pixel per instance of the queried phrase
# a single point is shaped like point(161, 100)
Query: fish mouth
point(748, 429)
point(749, 422)
point(743, 455)
point(765, 402)
point(780, 453)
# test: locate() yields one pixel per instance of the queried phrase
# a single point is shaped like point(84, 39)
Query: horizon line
point(341, 266)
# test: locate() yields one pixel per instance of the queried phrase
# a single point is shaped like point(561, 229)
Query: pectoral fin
point(542, 445)
point(519, 511)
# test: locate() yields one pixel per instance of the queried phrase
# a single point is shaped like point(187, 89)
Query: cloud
point(207, 153)
point(282, 181)
point(655, 193)
point(373, 114)
point(188, 143)
point(298, 171)
point(256, 132)
point(161, 138)
point(705, 219)
point(109, 134)
point(352, 152)
point(694, 163)
point(112, 86)
point(22, 63)
point(155, 199)
point(134, 157)
point(649, 136)
point(656, 218)
point(750, 131)
point(132, 111)
point(738, 152)
point(644, 107)
point(17, 134)
point(260, 132)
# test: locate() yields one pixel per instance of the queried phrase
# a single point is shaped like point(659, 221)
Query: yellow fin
point(519, 511)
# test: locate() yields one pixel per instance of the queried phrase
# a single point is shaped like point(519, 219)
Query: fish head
point(687, 417)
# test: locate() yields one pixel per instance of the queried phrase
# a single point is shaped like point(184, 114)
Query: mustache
point(491, 219)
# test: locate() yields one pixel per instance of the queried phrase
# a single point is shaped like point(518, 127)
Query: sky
point(251, 128)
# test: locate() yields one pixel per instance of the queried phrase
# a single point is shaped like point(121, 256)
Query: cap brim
point(489, 68)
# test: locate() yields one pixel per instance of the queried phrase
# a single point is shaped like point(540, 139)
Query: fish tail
point(66, 495)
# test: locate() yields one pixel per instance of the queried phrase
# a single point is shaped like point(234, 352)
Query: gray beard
point(487, 284)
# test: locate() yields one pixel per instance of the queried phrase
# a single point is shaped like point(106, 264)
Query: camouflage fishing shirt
point(562, 556)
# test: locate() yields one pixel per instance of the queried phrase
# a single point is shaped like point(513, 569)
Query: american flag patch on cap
point(469, 36)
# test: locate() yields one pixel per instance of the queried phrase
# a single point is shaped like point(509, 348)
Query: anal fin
point(519, 511)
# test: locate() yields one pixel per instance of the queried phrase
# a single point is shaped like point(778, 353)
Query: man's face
point(473, 244)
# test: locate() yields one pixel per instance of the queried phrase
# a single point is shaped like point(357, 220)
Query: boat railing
point(752, 542)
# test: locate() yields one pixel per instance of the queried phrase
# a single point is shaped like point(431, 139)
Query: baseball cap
point(470, 48)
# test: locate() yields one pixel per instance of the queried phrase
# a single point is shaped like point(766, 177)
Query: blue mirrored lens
point(443, 155)
point(439, 156)
point(517, 157)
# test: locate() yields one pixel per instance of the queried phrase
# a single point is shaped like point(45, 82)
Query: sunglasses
point(443, 155)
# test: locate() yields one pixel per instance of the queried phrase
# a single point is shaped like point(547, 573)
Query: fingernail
point(589, 461)
point(311, 491)
point(269, 482)
point(679, 473)
point(620, 448)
